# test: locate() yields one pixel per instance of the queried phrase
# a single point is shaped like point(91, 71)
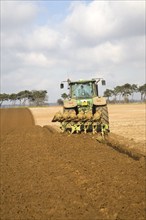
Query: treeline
point(125, 93)
point(26, 97)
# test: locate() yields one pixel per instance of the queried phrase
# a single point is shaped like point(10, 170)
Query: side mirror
point(61, 86)
point(103, 82)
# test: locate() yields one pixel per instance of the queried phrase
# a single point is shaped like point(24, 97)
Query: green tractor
point(84, 110)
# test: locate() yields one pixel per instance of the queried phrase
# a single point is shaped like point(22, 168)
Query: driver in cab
point(82, 92)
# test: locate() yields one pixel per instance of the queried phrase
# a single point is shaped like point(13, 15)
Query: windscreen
point(83, 90)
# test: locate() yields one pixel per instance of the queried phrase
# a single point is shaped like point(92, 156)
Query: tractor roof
point(82, 81)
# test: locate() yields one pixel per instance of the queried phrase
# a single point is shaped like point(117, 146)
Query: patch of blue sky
point(54, 11)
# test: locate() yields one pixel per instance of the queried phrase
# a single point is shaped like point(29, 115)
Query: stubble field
point(49, 175)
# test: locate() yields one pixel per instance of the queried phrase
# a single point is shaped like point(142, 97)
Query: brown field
point(49, 175)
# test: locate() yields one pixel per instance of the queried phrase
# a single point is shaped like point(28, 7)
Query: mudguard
point(72, 103)
point(99, 101)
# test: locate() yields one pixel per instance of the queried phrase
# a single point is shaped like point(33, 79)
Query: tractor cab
point(82, 90)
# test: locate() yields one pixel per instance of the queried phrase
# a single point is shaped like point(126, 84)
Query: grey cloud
point(17, 14)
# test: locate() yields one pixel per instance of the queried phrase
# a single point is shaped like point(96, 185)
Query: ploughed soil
point(49, 175)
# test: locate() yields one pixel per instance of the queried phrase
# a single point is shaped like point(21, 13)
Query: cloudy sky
point(45, 42)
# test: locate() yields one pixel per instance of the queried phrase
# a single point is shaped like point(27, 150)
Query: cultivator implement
point(81, 122)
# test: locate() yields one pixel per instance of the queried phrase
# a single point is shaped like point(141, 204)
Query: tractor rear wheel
point(104, 113)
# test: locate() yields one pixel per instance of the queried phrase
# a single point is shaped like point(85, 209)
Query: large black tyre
point(104, 113)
